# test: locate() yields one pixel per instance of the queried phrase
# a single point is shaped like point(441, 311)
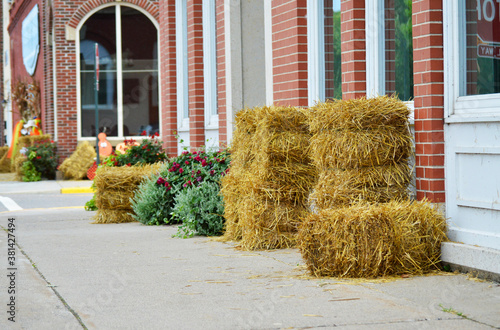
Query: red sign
point(488, 51)
point(488, 20)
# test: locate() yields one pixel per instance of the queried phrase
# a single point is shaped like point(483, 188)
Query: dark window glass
point(399, 49)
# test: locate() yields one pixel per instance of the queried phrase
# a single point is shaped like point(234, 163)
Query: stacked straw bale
point(367, 241)
point(75, 167)
point(266, 190)
point(5, 163)
point(362, 223)
point(361, 149)
point(114, 188)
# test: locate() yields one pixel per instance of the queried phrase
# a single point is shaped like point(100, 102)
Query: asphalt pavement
point(68, 273)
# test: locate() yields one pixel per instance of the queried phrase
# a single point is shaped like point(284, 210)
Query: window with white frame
point(472, 58)
point(210, 64)
point(324, 50)
point(389, 46)
point(182, 64)
point(482, 47)
point(128, 99)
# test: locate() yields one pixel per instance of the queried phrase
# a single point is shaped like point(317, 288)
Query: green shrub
point(43, 157)
point(200, 209)
point(30, 173)
point(153, 201)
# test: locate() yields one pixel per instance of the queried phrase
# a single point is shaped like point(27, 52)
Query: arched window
point(128, 99)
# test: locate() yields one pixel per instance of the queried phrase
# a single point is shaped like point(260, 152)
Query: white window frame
point(315, 52)
point(375, 52)
point(182, 65)
point(210, 64)
point(119, 73)
point(459, 108)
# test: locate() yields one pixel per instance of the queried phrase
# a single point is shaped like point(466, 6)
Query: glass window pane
point(140, 103)
point(140, 73)
point(139, 38)
point(100, 29)
point(333, 64)
point(482, 42)
point(398, 49)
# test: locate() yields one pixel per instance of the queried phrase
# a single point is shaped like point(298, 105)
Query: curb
point(77, 190)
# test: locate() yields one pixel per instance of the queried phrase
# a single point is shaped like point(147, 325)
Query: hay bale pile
point(363, 224)
point(5, 163)
point(114, 188)
point(361, 149)
point(266, 190)
point(373, 240)
point(75, 167)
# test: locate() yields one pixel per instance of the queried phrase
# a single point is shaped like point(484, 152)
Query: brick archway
point(88, 6)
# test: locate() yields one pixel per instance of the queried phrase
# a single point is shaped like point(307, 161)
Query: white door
point(472, 121)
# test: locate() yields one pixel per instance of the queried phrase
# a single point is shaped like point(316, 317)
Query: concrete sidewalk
point(74, 274)
point(46, 186)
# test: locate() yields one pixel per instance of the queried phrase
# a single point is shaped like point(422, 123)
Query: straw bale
point(232, 191)
point(337, 187)
point(352, 149)
point(374, 240)
point(114, 188)
point(113, 216)
point(266, 224)
point(358, 114)
point(115, 199)
point(75, 167)
point(29, 140)
point(17, 166)
point(5, 163)
point(289, 146)
point(3, 151)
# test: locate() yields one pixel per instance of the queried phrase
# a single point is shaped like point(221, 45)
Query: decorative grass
point(75, 167)
point(372, 240)
point(114, 188)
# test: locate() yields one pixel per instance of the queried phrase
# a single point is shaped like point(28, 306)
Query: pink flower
point(181, 170)
point(160, 180)
point(204, 163)
point(186, 162)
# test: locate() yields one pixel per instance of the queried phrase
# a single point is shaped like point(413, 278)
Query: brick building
point(186, 67)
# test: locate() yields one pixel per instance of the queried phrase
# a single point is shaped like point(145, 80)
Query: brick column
point(168, 76)
point(221, 71)
point(290, 52)
point(353, 49)
point(47, 94)
point(195, 73)
point(429, 101)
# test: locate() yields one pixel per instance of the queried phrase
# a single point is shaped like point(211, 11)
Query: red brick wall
point(221, 71)
point(48, 90)
point(429, 100)
point(353, 49)
point(168, 76)
point(289, 24)
point(195, 73)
